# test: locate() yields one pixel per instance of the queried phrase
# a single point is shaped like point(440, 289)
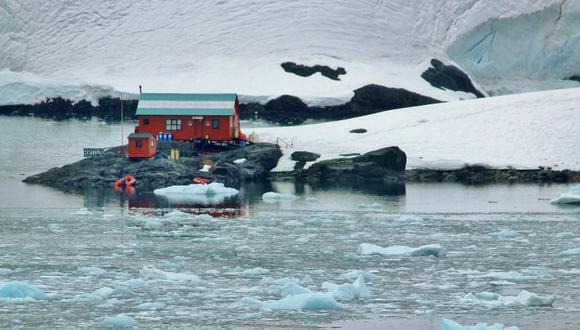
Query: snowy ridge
point(239, 46)
point(523, 131)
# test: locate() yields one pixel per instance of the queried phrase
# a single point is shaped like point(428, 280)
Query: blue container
point(169, 136)
point(160, 136)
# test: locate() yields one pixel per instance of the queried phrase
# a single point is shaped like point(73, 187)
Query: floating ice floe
point(524, 299)
point(353, 275)
point(151, 306)
point(272, 197)
point(304, 301)
point(5, 271)
point(92, 271)
point(398, 250)
point(119, 321)
point(370, 206)
point(82, 211)
point(571, 252)
point(152, 273)
point(212, 193)
point(347, 291)
point(571, 197)
point(507, 276)
point(565, 234)
point(19, 290)
point(95, 296)
point(447, 324)
point(507, 233)
point(251, 271)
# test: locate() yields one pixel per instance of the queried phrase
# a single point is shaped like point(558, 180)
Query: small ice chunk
point(255, 271)
point(122, 293)
point(507, 276)
point(347, 291)
point(253, 302)
point(410, 218)
point(353, 275)
point(272, 197)
point(399, 250)
point(197, 193)
point(16, 289)
point(152, 273)
point(507, 233)
point(447, 324)
point(305, 301)
point(565, 235)
point(571, 197)
point(494, 300)
point(82, 211)
point(361, 290)
point(571, 252)
point(370, 206)
point(5, 271)
point(135, 283)
point(153, 306)
point(92, 271)
point(119, 321)
point(293, 223)
point(292, 289)
point(240, 161)
point(311, 199)
point(111, 303)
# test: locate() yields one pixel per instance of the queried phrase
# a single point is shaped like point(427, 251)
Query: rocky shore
point(233, 167)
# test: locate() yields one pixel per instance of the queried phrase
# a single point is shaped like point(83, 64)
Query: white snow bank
point(16, 289)
point(197, 193)
point(571, 197)
point(398, 250)
point(571, 252)
point(347, 291)
point(119, 321)
point(273, 197)
point(533, 126)
point(447, 324)
point(152, 273)
point(524, 299)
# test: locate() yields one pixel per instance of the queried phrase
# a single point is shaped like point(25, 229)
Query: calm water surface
point(71, 245)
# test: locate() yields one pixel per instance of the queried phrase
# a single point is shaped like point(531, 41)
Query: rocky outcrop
point(151, 174)
point(449, 77)
point(306, 71)
point(385, 165)
point(286, 110)
point(369, 98)
point(304, 156)
point(358, 131)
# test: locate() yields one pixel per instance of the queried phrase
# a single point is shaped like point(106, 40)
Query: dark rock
point(380, 98)
point(385, 165)
point(306, 71)
point(158, 173)
point(252, 110)
point(304, 156)
point(449, 77)
point(358, 131)
point(287, 110)
point(574, 78)
point(390, 158)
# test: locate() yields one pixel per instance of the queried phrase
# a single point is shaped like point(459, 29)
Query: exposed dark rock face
point(482, 175)
point(304, 156)
point(358, 131)
point(287, 110)
point(373, 98)
point(306, 71)
point(158, 173)
point(449, 77)
point(385, 165)
point(574, 77)
point(108, 109)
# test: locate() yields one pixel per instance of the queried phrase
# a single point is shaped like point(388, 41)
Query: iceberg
point(213, 193)
point(16, 289)
point(447, 324)
point(398, 250)
point(304, 301)
point(571, 197)
point(524, 299)
point(347, 291)
point(273, 197)
point(119, 321)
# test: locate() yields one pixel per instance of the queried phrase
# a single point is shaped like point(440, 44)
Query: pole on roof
point(140, 90)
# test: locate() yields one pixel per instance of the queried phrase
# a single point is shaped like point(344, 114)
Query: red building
point(190, 116)
point(142, 145)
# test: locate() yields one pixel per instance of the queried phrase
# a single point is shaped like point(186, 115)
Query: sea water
point(102, 258)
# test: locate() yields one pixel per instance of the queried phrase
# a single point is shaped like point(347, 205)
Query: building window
point(138, 143)
point(145, 121)
point(173, 125)
point(215, 124)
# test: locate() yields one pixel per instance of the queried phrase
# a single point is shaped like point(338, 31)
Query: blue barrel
point(160, 136)
point(169, 136)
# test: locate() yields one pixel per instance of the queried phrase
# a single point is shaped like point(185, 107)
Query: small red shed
point(190, 116)
point(142, 145)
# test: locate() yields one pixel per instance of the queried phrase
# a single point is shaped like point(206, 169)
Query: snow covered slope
point(228, 45)
point(523, 131)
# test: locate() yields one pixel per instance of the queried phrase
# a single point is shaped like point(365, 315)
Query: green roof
point(186, 104)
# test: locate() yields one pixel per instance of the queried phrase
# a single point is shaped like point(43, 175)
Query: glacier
point(85, 49)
